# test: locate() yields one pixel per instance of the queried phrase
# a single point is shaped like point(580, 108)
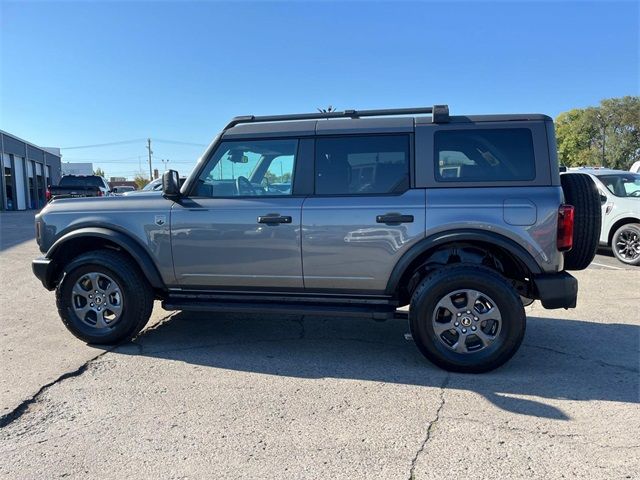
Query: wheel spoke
point(460, 346)
point(81, 292)
point(440, 327)
point(472, 298)
point(82, 311)
point(111, 289)
point(116, 309)
point(486, 339)
point(100, 322)
point(93, 277)
point(447, 304)
point(492, 314)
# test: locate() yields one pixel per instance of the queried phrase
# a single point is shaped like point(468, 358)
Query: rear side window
point(364, 165)
point(484, 155)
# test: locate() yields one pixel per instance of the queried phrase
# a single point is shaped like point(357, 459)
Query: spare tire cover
point(580, 191)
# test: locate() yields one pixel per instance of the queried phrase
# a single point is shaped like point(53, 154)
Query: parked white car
point(620, 198)
point(635, 168)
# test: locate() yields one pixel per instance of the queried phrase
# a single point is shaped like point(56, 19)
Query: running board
point(360, 310)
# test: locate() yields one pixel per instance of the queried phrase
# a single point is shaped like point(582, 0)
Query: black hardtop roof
point(393, 119)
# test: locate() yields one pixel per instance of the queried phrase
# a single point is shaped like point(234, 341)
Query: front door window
point(249, 168)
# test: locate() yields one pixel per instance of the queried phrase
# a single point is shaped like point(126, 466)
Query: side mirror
point(171, 184)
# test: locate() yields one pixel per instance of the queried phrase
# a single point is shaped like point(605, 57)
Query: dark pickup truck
point(72, 186)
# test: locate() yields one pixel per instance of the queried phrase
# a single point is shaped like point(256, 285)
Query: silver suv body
point(346, 216)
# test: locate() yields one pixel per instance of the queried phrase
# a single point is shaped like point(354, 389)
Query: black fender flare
point(124, 241)
point(461, 235)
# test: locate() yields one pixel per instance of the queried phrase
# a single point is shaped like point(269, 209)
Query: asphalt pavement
point(228, 396)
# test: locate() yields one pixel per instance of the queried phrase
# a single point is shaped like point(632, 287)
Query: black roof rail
point(439, 113)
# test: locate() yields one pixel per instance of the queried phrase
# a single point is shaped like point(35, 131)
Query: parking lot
point(211, 396)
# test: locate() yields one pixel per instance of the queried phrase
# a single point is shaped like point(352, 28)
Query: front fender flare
point(124, 241)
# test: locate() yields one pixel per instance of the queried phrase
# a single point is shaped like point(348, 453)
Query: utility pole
point(165, 162)
point(150, 153)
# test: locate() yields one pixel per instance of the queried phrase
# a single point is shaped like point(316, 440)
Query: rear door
point(363, 215)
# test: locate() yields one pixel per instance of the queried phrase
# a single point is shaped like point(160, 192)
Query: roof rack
point(439, 113)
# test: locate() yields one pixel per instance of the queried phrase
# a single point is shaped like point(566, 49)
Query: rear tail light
point(100, 193)
point(565, 227)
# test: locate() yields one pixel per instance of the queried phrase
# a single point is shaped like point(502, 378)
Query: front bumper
point(556, 290)
point(44, 269)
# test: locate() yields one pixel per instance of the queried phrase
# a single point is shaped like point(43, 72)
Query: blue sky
point(84, 73)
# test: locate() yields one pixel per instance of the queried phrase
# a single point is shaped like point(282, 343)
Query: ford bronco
point(354, 214)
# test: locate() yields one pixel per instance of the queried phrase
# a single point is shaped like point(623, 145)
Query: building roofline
point(46, 150)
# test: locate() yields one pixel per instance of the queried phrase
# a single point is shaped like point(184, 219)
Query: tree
point(607, 135)
point(140, 180)
point(98, 171)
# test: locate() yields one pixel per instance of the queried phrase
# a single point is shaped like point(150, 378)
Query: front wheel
point(626, 244)
point(103, 299)
point(467, 318)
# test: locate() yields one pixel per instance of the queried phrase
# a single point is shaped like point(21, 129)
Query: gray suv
point(352, 214)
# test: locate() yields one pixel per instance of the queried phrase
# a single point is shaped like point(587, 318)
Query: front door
point(240, 224)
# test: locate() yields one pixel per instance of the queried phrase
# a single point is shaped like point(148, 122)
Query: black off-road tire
point(458, 277)
point(580, 191)
point(632, 229)
point(137, 301)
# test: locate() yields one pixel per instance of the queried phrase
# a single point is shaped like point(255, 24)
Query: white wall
point(77, 168)
point(19, 182)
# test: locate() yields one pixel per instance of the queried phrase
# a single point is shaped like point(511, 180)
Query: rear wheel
point(467, 318)
point(580, 191)
point(103, 298)
point(626, 244)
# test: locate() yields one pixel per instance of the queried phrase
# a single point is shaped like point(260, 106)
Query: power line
point(177, 142)
point(67, 159)
point(136, 140)
point(98, 145)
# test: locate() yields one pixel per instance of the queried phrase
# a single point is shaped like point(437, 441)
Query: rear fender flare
point(454, 236)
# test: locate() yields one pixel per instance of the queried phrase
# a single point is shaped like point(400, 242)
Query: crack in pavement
point(581, 357)
point(300, 321)
point(23, 407)
point(430, 427)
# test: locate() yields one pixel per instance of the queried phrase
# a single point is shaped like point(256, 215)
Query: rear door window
point(484, 155)
point(362, 165)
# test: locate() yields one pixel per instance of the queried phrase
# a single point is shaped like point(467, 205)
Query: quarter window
point(250, 168)
point(362, 165)
point(484, 155)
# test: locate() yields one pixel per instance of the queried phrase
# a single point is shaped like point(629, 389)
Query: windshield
point(74, 181)
point(156, 184)
point(622, 184)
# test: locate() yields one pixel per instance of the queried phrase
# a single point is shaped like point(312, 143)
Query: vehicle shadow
point(16, 228)
point(560, 359)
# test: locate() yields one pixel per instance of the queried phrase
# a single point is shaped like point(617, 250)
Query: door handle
point(274, 219)
point(394, 218)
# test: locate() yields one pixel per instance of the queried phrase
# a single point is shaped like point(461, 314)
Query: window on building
point(363, 165)
point(8, 181)
point(40, 184)
point(32, 184)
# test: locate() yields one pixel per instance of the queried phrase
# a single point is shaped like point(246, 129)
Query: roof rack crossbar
point(440, 114)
